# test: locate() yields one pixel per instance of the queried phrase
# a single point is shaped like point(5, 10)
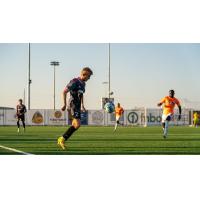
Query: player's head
point(118, 104)
point(20, 101)
point(171, 93)
point(86, 72)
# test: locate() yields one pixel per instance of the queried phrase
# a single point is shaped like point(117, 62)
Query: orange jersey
point(169, 104)
point(119, 111)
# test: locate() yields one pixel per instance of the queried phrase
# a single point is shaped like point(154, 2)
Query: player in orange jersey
point(118, 113)
point(168, 110)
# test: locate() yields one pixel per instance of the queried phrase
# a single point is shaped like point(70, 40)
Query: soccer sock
point(163, 126)
point(18, 125)
point(69, 132)
point(115, 126)
point(166, 127)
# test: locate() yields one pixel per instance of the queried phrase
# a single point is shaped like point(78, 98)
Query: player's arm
point(25, 110)
point(82, 104)
point(64, 96)
point(161, 102)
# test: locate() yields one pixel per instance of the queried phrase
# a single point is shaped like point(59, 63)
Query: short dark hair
point(20, 100)
point(88, 70)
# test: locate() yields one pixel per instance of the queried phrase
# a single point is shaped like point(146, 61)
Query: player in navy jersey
point(21, 110)
point(76, 88)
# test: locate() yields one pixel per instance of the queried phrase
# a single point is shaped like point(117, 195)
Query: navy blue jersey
point(21, 109)
point(76, 87)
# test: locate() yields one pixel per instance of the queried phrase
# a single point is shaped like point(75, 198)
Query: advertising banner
point(35, 117)
point(135, 117)
point(55, 117)
point(96, 117)
point(153, 117)
point(10, 117)
point(1, 117)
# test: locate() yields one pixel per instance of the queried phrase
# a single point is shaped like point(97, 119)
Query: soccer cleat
point(61, 142)
point(164, 136)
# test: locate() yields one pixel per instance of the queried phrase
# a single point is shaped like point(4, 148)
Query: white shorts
point(117, 117)
point(170, 116)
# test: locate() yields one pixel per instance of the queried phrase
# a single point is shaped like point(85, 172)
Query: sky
point(141, 73)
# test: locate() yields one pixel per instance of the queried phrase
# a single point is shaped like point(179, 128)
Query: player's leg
point(163, 122)
point(76, 122)
point(168, 119)
point(116, 122)
point(18, 125)
point(74, 127)
point(23, 122)
point(196, 123)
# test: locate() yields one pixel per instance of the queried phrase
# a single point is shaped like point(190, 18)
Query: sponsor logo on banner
point(97, 117)
point(133, 117)
point(55, 117)
point(37, 118)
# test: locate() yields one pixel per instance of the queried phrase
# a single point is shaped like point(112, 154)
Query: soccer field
point(101, 141)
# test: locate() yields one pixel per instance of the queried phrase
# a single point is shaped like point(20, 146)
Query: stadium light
point(109, 71)
point(54, 63)
point(105, 83)
point(29, 76)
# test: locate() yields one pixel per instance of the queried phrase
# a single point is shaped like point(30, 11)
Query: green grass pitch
point(102, 141)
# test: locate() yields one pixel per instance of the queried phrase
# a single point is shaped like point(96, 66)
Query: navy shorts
point(75, 110)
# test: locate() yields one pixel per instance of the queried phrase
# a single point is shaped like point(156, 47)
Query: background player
point(118, 113)
point(76, 88)
point(195, 119)
point(21, 110)
point(168, 110)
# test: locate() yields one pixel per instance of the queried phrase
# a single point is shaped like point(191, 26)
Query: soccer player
point(21, 110)
point(118, 113)
point(168, 110)
point(76, 88)
point(195, 119)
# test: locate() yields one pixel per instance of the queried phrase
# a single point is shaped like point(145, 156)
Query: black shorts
point(74, 110)
point(21, 117)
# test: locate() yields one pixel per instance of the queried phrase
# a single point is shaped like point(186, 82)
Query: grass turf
point(102, 141)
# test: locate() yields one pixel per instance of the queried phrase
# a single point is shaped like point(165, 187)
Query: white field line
point(15, 150)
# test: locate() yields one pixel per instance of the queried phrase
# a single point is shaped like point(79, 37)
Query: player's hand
point(63, 108)
point(83, 109)
point(179, 117)
point(159, 104)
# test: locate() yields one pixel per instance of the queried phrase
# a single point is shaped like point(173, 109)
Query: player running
point(21, 110)
point(118, 113)
point(195, 119)
point(76, 88)
point(168, 110)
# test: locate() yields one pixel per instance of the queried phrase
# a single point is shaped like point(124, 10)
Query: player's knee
point(117, 121)
point(76, 124)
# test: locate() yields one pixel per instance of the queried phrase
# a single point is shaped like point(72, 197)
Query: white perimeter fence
point(135, 117)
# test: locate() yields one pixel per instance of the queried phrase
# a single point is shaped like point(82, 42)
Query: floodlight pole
point(54, 64)
point(109, 70)
point(29, 75)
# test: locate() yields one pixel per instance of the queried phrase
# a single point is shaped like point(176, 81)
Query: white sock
point(115, 126)
point(166, 127)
